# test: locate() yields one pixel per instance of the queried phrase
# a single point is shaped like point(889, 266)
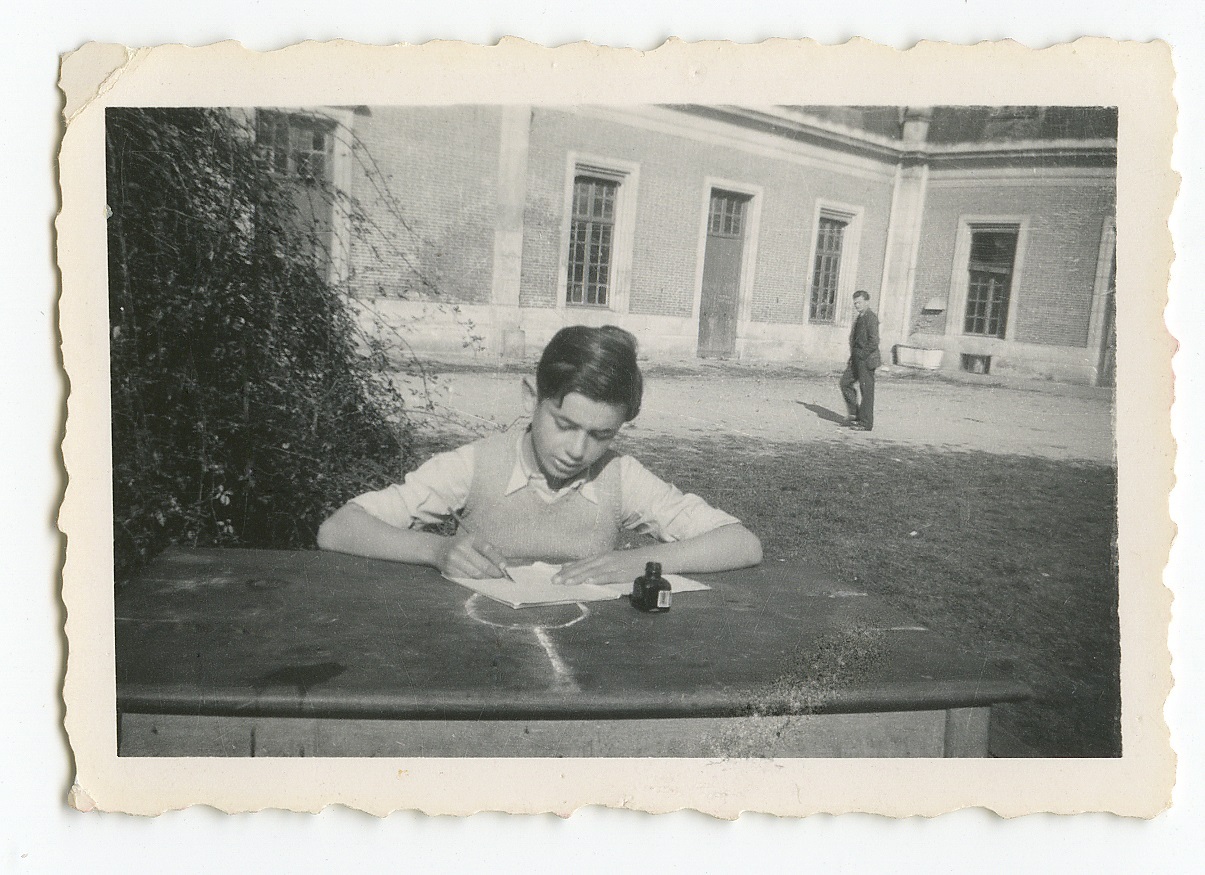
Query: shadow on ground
point(823, 412)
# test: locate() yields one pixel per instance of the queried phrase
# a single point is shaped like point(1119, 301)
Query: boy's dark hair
point(862, 293)
point(599, 363)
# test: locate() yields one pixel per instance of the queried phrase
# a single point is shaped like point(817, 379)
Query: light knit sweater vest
point(525, 527)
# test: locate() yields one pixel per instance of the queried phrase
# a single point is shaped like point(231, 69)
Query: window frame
point(626, 175)
point(340, 122)
point(294, 122)
point(998, 295)
point(960, 275)
point(602, 196)
point(847, 269)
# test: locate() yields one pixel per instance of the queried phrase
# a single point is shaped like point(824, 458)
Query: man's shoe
point(861, 426)
point(849, 422)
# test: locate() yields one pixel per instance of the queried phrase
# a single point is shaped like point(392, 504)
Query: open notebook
point(532, 585)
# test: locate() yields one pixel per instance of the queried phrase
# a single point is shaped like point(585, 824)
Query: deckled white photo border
point(1135, 77)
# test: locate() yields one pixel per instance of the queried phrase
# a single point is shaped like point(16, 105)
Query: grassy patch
point(1010, 557)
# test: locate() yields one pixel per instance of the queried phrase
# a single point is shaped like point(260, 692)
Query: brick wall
point(1053, 294)
point(669, 209)
point(788, 228)
point(431, 236)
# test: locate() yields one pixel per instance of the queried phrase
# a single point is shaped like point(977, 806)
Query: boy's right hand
point(465, 556)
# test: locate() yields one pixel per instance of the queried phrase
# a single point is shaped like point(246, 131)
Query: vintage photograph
point(848, 367)
point(530, 453)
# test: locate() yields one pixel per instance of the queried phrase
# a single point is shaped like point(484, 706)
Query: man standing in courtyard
point(863, 359)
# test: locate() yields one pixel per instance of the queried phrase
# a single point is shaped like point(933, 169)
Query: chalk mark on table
point(564, 677)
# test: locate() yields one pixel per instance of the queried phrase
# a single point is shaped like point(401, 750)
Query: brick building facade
point(985, 235)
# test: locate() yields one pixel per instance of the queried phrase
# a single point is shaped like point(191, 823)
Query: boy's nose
point(577, 447)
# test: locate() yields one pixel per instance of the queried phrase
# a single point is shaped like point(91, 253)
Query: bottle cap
point(653, 569)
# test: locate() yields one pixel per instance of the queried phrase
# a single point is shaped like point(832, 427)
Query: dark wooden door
point(722, 274)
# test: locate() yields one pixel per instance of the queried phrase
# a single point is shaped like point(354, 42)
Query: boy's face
point(570, 436)
point(861, 304)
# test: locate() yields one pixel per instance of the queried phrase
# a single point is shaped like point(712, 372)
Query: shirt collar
point(523, 474)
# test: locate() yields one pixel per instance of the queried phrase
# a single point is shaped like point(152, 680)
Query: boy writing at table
point(554, 491)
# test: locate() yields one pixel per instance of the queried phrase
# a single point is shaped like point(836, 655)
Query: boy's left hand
point(617, 567)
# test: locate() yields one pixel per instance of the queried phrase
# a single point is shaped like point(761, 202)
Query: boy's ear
point(530, 398)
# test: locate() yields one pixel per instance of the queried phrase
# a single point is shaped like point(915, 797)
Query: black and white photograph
point(711, 432)
point(421, 336)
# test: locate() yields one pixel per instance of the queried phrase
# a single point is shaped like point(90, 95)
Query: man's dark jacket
point(864, 340)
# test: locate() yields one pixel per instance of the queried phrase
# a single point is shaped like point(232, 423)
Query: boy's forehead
point(587, 412)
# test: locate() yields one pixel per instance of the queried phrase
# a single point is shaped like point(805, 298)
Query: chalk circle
point(500, 616)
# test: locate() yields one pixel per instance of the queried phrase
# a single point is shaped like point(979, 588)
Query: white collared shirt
point(649, 504)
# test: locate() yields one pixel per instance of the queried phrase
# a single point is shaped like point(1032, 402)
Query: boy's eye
point(600, 436)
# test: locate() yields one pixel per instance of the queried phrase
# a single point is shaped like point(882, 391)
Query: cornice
point(801, 127)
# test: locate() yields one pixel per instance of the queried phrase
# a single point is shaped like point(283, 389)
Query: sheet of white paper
point(532, 585)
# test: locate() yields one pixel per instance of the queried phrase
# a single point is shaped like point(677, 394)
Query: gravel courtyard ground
point(778, 403)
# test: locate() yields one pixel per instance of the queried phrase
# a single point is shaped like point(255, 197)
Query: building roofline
point(802, 127)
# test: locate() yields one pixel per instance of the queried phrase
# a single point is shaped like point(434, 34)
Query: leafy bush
point(248, 401)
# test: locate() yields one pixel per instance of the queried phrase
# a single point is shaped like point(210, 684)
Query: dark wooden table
point(265, 653)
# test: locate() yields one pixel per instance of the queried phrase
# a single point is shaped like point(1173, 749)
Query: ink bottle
point(651, 592)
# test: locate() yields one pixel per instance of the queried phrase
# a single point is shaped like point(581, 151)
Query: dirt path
point(1041, 419)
